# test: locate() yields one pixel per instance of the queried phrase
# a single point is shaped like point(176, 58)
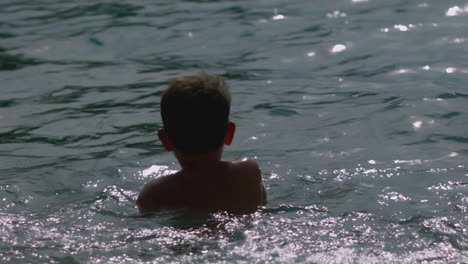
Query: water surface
point(355, 110)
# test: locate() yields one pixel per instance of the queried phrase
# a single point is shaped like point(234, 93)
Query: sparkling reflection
point(336, 14)
point(370, 169)
point(450, 70)
point(338, 48)
point(456, 11)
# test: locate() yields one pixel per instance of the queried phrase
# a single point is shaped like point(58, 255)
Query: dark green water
point(355, 110)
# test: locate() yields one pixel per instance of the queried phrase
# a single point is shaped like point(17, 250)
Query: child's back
point(195, 114)
point(229, 186)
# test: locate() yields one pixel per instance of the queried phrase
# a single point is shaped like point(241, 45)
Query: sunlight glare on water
point(355, 110)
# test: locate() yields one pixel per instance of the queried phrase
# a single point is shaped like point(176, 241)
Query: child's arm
point(153, 194)
point(145, 197)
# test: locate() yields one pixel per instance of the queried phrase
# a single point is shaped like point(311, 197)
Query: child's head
point(195, 113)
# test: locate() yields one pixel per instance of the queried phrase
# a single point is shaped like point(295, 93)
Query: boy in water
point(195, 114)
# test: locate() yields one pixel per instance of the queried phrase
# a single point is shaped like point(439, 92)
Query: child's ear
point(165, 140)
point(231, 128)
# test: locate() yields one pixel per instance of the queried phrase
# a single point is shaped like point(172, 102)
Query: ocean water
point(356, 110)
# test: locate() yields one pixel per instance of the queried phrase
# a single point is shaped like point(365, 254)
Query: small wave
point(15, 62)
point(115, 10)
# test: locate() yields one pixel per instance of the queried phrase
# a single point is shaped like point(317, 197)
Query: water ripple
point(360, 134)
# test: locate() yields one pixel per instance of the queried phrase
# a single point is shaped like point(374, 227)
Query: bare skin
point(205, 182)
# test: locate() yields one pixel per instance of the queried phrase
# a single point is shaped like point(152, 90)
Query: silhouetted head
point(195, 113)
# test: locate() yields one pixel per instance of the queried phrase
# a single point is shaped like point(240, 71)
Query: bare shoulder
point(155, 193)
point(246, 172)
point(248, 169)
point(248, 178)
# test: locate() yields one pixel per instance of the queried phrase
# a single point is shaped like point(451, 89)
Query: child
point(195, 112)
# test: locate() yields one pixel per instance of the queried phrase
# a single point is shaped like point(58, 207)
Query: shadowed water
point(356, 111)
